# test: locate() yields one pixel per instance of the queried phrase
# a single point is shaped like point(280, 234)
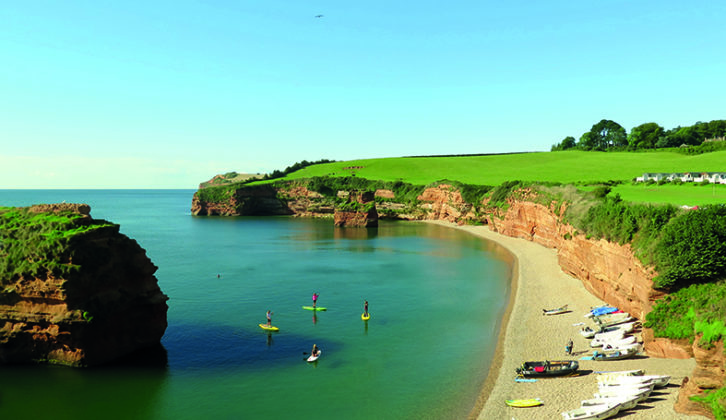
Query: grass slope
point(565, 167)
point(576, 167)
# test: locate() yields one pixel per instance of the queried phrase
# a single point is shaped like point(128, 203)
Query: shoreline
point(525, 334)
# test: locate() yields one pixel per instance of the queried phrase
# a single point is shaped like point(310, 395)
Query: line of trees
point(294, 167)
point(609, 135)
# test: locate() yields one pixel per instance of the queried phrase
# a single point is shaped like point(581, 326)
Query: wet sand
point(527, 334)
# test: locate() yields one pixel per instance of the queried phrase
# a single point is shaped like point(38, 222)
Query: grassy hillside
point(576, 167)
point(564, 167)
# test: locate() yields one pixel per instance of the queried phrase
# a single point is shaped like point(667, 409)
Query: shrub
point(692, 248)
point(715, 400)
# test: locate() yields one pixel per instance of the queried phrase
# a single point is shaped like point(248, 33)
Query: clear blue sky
point(166, 94)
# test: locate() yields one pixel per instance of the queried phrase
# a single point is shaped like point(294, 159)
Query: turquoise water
point(436, 298)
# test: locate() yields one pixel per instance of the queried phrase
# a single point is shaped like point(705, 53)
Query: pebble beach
point(527, 335)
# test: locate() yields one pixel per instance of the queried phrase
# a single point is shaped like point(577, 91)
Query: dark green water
point(436, 298)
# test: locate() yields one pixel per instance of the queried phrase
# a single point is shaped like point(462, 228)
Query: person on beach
point(365, 308)
point(269, 318)
point(568, 347)
point(314, 352)
point(315, 299)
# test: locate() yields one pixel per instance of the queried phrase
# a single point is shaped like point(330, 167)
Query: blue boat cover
point(603, 310)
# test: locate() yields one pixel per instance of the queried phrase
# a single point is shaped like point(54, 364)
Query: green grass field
point(685, 194)
point(576, 167)
point(565, 167)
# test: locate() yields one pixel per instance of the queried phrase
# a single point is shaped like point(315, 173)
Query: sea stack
point(75, 291)
point(358, 211)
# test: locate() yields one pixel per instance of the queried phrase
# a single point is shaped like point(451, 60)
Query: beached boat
point(613, 355)
point(588, 332)
point(556, 311)
point(594, 412)
point(626, 385)
point(523, 403)
point(658, 381)
point(614, 373)
point(614, 391)
point(637, 347)
point(626, 401)
point(548, 368)
point(613, 319)
point(614, 340)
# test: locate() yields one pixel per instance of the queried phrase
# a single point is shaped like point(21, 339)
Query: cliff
point(75, 291)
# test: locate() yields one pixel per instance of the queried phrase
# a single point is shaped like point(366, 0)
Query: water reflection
point(354, 233)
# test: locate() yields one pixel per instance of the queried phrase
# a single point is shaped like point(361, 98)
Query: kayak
point(364, 317)
point(314, 358)
point(269, 328)
point(310, 308)
point(531, 402)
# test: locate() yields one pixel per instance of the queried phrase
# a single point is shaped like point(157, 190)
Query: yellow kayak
point(531, 402)
point(269, 328)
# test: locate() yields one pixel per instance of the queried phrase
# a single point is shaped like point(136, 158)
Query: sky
point(166, 94)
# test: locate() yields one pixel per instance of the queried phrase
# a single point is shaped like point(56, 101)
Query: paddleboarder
point(315, 299)
point(269, 318)
point(365, 308)
point(315, 350)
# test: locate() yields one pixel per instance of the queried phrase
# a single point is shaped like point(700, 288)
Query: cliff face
point(608, 270)
point(249, 201)
point(110, 307)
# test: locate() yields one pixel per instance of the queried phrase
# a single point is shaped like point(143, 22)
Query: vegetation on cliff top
point(609, 135)
point(34, 244)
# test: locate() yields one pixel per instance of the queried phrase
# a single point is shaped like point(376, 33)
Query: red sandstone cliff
point(363, 214)
point(109, 308)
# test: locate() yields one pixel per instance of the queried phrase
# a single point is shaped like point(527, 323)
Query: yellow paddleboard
point(364, 317)
point(531, 402)
point(269, 328)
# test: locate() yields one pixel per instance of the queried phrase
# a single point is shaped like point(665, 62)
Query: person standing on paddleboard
point(315, 299)
point(365, 309)
point(269, 318)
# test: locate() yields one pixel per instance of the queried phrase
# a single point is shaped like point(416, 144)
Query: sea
point(436, 298)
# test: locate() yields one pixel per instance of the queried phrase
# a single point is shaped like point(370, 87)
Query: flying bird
point(318, 16)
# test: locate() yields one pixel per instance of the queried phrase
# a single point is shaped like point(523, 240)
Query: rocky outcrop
point(249, 201)
point(708, 375)
point(109, 307)
point(358, 211)
point(445, 202)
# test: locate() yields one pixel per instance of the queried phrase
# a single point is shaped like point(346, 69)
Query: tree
point(587, 142)
point(567, 143)
point(607, 134)
point(645, 136)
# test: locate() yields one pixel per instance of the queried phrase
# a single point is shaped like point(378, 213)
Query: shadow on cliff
point(222, 347)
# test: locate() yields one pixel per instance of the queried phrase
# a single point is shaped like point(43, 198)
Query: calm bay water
point(436, 298)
